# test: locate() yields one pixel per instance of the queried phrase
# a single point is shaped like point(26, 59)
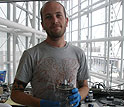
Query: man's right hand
point(48, 103)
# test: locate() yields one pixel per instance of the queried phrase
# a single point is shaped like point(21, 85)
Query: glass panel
point(22, 4)
point(116, 28)
point(84, 21)
point(68, 6)
point(98, 32)
point(30, 20)
point(115, 57)
point(95, 80)
point(36, 23)
point(97, 57)
point(84, 47)
point(67, 37)
point(37, 11)
point(21, 43)
point(114, 86)
point(29, 42)
point(75, 36)
point(84, 4)
point(11, 9)
point(98, 17)
point(3, 50)
point(3, 10)
point(75, 9)
point(75, 24)
point(98, 4)
point(21, 16)
point(116, 11)
point(31, 7)
point(116, 19)
point(84, 34)
point(75, 3)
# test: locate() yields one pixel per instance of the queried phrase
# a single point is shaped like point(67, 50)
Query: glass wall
point(96, 26)
point(14, 36)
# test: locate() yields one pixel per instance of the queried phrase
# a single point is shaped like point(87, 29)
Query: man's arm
point(84, 90)
point(18, 95)
point(79, 94)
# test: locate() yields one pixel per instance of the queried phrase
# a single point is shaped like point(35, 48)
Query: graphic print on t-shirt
point(51, 72)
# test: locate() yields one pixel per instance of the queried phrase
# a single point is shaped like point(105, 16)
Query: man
point(50, 63)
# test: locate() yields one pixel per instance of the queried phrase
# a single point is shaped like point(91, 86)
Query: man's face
point(54, 21)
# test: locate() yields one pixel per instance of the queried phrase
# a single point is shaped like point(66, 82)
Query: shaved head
point(41, 11)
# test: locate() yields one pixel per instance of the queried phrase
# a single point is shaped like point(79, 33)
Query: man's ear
point(42, 25)
point(66, 21)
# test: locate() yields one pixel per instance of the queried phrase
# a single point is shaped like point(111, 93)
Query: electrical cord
point(99, 90)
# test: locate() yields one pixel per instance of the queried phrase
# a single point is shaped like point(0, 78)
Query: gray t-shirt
point(46, 66)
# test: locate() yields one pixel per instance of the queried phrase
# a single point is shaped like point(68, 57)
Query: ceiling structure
point(8, 1)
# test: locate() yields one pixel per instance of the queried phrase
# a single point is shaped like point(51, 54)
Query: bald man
point(50, 63)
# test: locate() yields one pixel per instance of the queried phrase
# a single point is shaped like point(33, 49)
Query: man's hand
point(48, 103)
point(75, 98)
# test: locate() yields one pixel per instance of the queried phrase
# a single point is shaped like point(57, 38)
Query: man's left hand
point(75, 98)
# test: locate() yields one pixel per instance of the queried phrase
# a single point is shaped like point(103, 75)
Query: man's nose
point(54, 19)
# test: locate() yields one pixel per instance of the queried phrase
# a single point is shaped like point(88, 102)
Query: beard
point(55, 35)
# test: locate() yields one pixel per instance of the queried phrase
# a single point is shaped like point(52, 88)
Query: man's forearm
point(18, 95)
point(25, 99)
point(83, 92)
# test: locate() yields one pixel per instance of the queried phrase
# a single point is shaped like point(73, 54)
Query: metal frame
point(15, 29)
point(122, 45)
point(9, 1)
point(88, 10)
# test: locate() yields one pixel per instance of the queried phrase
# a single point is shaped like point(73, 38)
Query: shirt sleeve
point(24, 71)
point(83, 72)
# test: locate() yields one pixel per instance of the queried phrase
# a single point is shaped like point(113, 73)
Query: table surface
point(10, 102)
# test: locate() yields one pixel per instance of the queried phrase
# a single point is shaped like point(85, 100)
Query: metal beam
point(88, 9)
point(22, 33)
point(8, 49)
point(122, 44)
point(9, 1)
point(21, 27)
point(14, 42)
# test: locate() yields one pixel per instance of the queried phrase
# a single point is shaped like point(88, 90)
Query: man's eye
point(48, 17)
point(58, 15)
